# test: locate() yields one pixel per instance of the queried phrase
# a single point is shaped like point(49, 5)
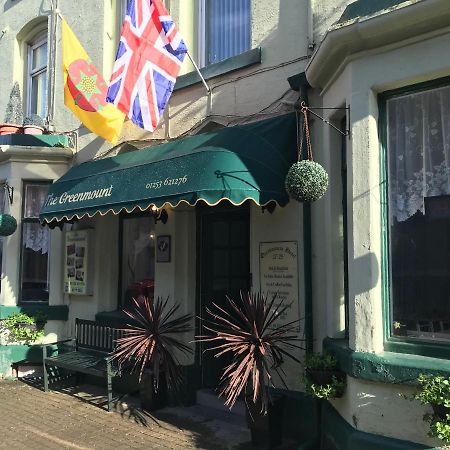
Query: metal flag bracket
point(10, 190)
point(304, 108)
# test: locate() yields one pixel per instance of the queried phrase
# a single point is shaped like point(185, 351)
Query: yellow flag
point(85, 90)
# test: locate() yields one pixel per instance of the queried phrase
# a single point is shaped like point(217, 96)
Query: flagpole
point(199, 73)
point(52, 63)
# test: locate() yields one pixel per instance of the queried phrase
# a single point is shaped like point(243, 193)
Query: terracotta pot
point(9, 128)
point(32, 129)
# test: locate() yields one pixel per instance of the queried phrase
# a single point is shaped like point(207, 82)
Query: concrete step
point(209, 399)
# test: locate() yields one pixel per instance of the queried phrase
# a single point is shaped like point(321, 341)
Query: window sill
point(28, 140)
point(221, 68)
point(52, 312)
point(386, 367)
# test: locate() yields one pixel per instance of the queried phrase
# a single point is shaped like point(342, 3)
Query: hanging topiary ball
point(306, 181)
point(8, 224)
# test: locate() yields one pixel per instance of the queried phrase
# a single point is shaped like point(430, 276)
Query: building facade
point(369, 254)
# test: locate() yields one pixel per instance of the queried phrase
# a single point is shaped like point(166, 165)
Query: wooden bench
point(88, 353)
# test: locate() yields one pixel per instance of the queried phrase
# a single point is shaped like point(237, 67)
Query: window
point(418, 156)
point(34, 274)
point(37, 77)
point(224, 29)
point(138, 257)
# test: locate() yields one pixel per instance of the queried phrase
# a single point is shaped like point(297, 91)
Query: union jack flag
point(148, 61)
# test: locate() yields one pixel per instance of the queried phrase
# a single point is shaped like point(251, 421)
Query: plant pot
point(151, 400)
point(266, 429)
point(9, 128)
point(324, 377)
point(440, 411)
point(32, 129)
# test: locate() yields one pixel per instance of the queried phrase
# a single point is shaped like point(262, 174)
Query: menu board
point(77, 265)
point(278, 273)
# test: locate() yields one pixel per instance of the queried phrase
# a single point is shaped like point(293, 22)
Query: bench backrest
point(96, 336)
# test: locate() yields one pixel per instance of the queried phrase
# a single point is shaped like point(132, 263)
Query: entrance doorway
point(224, 269)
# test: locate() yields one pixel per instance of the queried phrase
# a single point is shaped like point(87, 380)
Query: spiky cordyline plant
point(149, 340)
point(249, 333)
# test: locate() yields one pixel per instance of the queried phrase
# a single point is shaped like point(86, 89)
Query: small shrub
point(435, 391)
point(22, 327)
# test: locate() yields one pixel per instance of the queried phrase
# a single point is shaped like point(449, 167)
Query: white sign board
point(278, 273)
point(77, 270)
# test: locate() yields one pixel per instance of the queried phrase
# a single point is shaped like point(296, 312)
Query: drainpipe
point(299, 83)
point(307, 244)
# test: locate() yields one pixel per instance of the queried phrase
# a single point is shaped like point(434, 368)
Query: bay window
point(418, 157)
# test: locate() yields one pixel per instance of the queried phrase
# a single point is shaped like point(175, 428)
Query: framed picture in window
point(163, 249)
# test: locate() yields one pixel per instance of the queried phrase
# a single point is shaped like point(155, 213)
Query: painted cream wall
point(361, 79)
point(284, 224)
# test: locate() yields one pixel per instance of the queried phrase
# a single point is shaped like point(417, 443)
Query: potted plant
point(33, 124)
point(435, 391)
point(322, 376)
point(149, 347)
point(250, 332)
point(22, 327)
point(14, 114)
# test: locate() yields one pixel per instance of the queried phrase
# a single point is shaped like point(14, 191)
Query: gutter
point(365, 33)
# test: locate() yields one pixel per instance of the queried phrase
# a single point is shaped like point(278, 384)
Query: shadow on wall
point(366, 273)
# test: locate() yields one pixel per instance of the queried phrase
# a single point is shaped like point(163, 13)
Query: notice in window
point(278, 274)
point(76, 278)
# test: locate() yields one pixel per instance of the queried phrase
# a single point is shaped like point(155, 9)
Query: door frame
point(202, 210)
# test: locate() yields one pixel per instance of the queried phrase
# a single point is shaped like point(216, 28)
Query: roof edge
point(369, 32)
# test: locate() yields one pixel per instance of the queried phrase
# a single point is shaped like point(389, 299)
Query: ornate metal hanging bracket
point(10, 190)
point(304, 107)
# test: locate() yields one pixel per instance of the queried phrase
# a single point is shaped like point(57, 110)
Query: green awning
point(235, 163)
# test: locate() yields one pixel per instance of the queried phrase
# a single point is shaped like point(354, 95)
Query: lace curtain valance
point(418, 150)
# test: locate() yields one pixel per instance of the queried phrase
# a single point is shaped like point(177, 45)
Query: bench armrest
point(49, 344)
point(64, 341)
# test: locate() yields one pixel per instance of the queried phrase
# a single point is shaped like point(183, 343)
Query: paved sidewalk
point(33, 419)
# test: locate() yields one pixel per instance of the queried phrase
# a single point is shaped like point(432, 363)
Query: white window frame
point(123, 10)
point(31, 73)
point(201, 34)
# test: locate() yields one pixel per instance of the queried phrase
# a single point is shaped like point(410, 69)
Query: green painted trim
point(10, 354)
point(409, 345)
point(385, 367)
point(339, 435)
point(362, 8)
point(297, 425)
point(53, 312)
point(226, 66)
point(27, 140)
